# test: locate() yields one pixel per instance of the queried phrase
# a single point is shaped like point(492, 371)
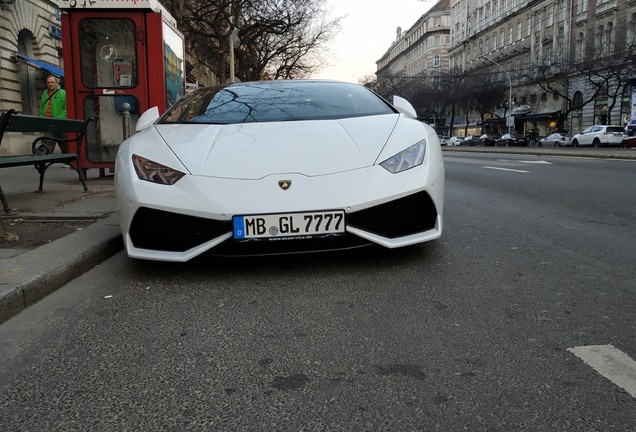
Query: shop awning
point(42, 65)
point(539, 116)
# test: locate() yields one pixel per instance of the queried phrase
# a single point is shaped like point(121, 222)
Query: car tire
point(575, 143)
point(596, 143)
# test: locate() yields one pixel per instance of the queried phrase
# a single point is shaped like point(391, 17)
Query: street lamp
point(508, 120)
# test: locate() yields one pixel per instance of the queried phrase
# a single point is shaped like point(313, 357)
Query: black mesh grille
point(161, 230)
point(409, 215)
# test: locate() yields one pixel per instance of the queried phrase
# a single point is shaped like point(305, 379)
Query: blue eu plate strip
point(239, 227)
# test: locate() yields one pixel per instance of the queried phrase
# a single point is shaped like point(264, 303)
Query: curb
point(29, 277)
point(611, 153)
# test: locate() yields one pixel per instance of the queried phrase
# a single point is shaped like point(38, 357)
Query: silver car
point(599, 136)
point(556, 140)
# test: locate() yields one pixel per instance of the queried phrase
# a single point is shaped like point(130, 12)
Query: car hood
point(255, 150)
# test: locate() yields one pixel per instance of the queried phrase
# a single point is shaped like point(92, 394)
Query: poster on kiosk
point(119, 56)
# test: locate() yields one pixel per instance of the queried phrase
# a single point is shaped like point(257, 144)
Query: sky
point(368, 29)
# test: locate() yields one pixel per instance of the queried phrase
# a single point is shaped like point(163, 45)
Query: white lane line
point(505, 169)
point(611, 363)
point(537, 162)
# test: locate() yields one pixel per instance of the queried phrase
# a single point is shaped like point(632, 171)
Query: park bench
point(40, 158)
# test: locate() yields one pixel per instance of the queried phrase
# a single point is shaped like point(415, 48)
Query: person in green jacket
point(53, 104)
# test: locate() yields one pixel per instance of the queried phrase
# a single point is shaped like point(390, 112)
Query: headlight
point(154, 172)
point(409, 158)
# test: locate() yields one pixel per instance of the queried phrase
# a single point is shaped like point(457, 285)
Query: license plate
point(289, 225)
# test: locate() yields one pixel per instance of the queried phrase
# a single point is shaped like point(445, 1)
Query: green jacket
point(58, 103)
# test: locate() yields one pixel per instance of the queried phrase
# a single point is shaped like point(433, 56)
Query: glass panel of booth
point(173, 53)
point(106, 133)
point(108, 62)
point(107, 52)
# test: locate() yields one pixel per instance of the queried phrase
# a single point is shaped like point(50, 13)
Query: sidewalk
point(29, 274)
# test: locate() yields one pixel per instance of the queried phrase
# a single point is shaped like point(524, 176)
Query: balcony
point(605, 6)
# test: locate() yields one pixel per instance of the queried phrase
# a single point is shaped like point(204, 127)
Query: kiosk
point(120, 57)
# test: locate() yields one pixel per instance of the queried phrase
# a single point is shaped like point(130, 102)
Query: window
point(519, 30)
point(113, 64)
point(609, 38)
point(502, 37)
point(631, 33)
point(600, 34)
point(579, 54)
point(436, 61)
point(510, 35)
point(544, 97)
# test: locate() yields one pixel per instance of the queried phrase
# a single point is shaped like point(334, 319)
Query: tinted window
point(276, 101)
point(615, 129)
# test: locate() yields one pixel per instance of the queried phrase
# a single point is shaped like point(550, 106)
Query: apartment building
point(549, 48)
point(420, 50)
point(570, 63)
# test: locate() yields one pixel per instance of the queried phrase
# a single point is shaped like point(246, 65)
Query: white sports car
point(275, 167)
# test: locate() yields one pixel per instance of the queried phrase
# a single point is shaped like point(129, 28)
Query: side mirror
point(404, 106)
point(147, 118)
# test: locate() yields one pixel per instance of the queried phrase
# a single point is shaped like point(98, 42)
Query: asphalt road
point(472, 332)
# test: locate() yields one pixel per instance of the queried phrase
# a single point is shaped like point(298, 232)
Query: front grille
point(409, 215)
point(160, 230)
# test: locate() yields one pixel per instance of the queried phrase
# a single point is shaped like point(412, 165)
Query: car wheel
point(575, 143)
point(597, 143)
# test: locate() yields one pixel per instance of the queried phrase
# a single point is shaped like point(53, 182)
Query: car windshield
point(273, 101)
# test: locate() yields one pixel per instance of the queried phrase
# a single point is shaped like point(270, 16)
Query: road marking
point(539, 162)
point(611, 363)
point(505, 169)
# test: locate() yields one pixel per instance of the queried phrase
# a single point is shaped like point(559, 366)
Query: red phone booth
point(117, 53)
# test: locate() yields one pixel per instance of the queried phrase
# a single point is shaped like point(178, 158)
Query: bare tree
point(610, 68)
point(276, 38)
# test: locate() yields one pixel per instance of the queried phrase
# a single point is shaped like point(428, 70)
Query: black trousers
point(48, 145)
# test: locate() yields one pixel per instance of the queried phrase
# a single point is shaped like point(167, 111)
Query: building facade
point(569, 62)
point(421, 50)
point(29, 30)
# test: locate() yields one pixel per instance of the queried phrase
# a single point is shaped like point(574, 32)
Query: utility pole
point(509, 118)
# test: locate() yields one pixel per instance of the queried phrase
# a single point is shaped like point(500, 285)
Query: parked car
point(599, 136)
point(469, 140)
point(455, 141)
point(628, 142)
point(487, 139)
point(511, 139)
point(252, 168)
point(443, 139)
point(558, 139)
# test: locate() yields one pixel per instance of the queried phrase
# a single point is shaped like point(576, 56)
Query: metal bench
point(11, 121)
